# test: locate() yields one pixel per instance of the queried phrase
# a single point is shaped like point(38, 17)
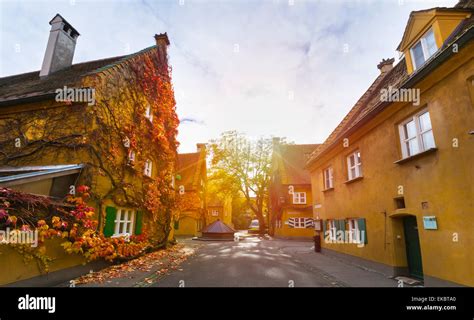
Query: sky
point(269, 68)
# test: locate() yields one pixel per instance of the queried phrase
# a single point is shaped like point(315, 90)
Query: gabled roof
point(189, 169)
point(292, 158)
point(24, 87)
point(370, 103)
point(218, 227)
point(419, 20)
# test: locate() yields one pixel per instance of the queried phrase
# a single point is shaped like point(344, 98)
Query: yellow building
point(218, 209)
point(291, 214)
point(190, 182)
point(103, 116)
point(393, 183)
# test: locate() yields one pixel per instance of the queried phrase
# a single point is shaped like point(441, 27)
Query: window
point(354, 234)
point(400, 203)
point(148, 113)
point(328, 178)
point(416, 134)
point(148, 168)
point(124, 222)
point(300, 223)
point(299, 197)
point(354, 165)
point(332, 230)
point(131, 157)
point(423, 49)
point(215, 213)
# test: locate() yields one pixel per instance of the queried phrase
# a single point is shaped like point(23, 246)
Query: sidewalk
point(346, 274)
point(140, 272)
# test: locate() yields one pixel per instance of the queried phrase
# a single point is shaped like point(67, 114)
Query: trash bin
point(317, 243)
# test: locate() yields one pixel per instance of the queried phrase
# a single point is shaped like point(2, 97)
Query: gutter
point(30, 99)
point(436, 61)
point(23, 178)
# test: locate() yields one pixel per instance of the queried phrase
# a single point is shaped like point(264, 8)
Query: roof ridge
point(121, 59)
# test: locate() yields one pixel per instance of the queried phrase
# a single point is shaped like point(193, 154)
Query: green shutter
point(341, 226)
point(362, 227)
point(323, 222)
point(176, 224)
point(138, 223)
point(110, 216)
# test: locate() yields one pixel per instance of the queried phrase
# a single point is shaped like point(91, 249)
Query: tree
point(245, 165)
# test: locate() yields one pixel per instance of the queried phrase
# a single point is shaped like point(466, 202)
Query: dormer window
point(423, 49)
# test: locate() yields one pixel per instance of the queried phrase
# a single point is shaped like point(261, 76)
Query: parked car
point(254, 227)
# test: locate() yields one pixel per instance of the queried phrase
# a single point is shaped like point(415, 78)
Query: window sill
point(328, 190)
point(416, 156)
point(354, 180)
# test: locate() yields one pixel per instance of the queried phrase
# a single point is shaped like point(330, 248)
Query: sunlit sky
point(284, 68)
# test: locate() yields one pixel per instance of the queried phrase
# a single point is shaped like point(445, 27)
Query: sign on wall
point(430, 223)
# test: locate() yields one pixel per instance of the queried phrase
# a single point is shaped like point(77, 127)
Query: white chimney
point(61, 45)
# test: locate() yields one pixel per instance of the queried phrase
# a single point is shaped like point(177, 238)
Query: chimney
point(162, 39)
point(386, 65)
point(200, 147)
point(162, 42)
point(61, 45)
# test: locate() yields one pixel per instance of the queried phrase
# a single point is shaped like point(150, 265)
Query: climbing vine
point(72, 222)
point(134, 114)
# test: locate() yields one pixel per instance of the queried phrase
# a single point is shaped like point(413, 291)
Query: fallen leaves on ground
point(162, 260)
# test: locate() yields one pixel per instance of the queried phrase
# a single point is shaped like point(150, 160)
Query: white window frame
point(148, 168)
point(418, 135)
point(332, 230)
point(424, 47)
point(354, 232)
point(299, 223)
point(214, 212)
point(148, 113)
point(131, 156)
point(299, 197)
point(328, 178)
point(127, 217)
point(357, 165)
point(277, 224)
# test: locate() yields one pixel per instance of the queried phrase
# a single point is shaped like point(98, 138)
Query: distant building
point(220, 210)
point(393, 183)
point(291, 214)
point(190, 183)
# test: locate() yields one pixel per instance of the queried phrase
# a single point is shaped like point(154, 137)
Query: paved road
point(254, 262)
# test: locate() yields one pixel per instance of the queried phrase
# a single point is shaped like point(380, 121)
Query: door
point(412, 243)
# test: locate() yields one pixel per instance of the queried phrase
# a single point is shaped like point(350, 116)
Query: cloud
point(261, 67)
